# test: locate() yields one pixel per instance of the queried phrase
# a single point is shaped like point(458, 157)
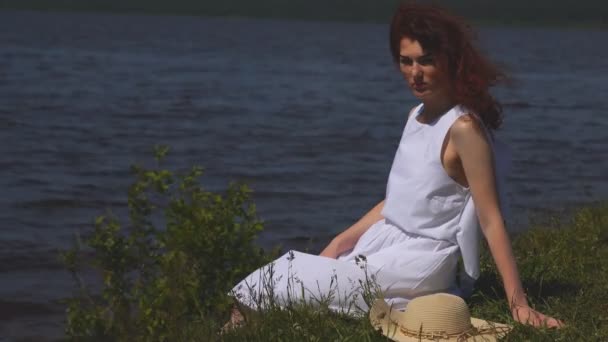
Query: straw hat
point(436, 317)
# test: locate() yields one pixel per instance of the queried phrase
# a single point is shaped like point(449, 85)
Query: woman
point(442, 183)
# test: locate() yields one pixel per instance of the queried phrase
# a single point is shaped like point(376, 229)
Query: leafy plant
point(171, 266)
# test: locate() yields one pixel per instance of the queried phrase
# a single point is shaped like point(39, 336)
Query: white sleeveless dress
point(414, 250)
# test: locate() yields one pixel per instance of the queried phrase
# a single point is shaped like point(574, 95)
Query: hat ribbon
point(462, 336)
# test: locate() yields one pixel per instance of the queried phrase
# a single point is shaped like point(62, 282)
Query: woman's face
point(422, 71)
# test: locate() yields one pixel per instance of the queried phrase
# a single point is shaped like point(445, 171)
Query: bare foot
point(236, 320)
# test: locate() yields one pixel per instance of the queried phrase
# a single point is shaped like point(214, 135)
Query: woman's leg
point(300, 278)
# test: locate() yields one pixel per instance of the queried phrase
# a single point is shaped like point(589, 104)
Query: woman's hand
point(348, 238)
point(526, 315)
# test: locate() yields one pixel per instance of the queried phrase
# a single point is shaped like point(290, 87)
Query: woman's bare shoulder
point(468, 125)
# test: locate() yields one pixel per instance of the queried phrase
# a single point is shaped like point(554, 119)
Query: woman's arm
point(475, 153)
point(348, 238)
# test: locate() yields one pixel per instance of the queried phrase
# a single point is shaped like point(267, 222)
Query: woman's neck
point(434, 109)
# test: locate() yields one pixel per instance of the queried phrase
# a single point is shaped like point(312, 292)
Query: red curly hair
point(450, 39)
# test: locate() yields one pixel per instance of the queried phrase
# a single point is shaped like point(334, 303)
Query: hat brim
point(383, 318)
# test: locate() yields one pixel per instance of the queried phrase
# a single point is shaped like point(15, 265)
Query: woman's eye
point(426, 61)
point(405, 61)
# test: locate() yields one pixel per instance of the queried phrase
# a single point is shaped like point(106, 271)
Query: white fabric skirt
point(402, 266)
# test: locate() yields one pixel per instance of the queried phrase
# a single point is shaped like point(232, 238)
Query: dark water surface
point(309, 114)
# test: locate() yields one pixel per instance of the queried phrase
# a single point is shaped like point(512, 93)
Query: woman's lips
point(419, 86)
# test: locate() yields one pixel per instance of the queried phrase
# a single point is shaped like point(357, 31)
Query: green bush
point(167, 273)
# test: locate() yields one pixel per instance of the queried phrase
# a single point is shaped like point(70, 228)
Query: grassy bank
point(564, 266)
point(165, 273)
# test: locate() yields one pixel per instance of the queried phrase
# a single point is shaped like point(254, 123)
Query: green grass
point(564, 267)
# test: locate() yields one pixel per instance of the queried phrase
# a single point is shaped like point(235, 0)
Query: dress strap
point(411, 116)
point(415, 111)
point(440, 128)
